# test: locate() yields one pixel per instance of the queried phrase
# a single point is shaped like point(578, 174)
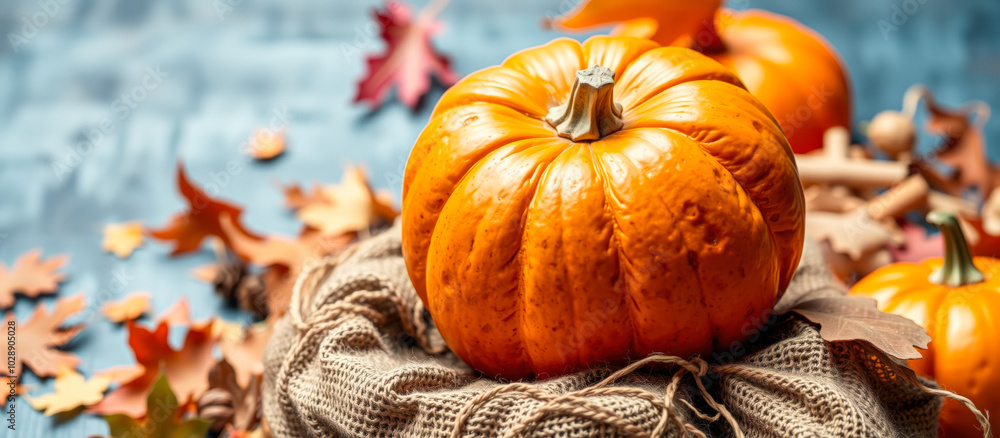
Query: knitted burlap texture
point(357, 356)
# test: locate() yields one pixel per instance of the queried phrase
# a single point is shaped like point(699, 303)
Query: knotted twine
point(356, 356)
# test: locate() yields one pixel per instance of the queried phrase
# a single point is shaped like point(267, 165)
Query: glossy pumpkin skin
point(793, 70)
point(537, 255)
point(964, 323)
point(796, 73)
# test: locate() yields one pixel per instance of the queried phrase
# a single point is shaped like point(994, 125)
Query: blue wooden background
point(230, 72)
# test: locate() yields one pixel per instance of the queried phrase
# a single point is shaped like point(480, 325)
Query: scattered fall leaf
point(167, 422)
point(30, 276)
point(660, 21)
point(246, 354)
point(122, 239)
point(186, 369)
point(128, 308)
point(266, 144)
point(207, 272)
point(178, 314)
point(918, 245)
point(71, 392)
point(187, 230)
point(39, 337)
point(296, 197)
point(962, 144)
point(349, 207)
point(245, 398)
point(122, 373)
point(410, 59)
point(851, 318)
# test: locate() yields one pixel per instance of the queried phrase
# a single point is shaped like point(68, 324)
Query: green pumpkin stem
point(591, 112)
point(958, 268)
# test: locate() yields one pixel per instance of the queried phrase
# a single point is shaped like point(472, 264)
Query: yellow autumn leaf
point(346, 207)
point(128, 308)
point(122, 239)
point(71, 392)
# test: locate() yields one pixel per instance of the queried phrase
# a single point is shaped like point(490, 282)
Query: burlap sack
point(358, 356)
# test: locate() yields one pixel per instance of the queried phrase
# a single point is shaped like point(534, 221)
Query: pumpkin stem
point(591, 112)
point(958, 268)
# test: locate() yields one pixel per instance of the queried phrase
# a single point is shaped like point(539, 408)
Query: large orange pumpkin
point(557, 216)
point(795, 72)
point(957, 299)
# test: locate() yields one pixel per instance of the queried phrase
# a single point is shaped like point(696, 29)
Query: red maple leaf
point(186, 369)
point(188, 229)
point(410, 59)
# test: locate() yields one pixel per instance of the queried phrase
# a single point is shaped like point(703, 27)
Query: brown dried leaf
point(851, 318)
point(246, 398)
point(349, 207)
point(30, 276)
point(246, 354)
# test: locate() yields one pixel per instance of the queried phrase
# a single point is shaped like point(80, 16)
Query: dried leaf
point(350, 206)
point(246, 397)
point(266, 144)
point(207, 272)
point(71, 392)
point(247, 354)
point(918, 245)
point(187, 230)
point(962, 145)
point(39, 337)
point(30, 276)
point(122, 239)
point(296, 197)
point(122, 373)
point(167, 422)
point(660, 21)
point(128, 308)
point(178, 314)
point(410, 59)
point(186, 369)
point(851, 318)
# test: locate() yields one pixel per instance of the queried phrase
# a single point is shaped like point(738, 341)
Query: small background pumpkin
point(793, 70)
point(957, 299)
point(673, 219)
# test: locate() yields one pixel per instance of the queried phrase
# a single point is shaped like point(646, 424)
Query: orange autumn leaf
point(349, 206)
point(188, 229)
point(30, 276)
point(206, 272)
point(128, 308)
point(246, 355)
point(122, 239)
point(186, 369)
point(40, 336)
point(296, 197)
point(71, 392)
point(178, 314)
point(266, 144)
point(639, 18)
point(122, 373)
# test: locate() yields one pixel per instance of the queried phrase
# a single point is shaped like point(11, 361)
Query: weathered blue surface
point(224, 76)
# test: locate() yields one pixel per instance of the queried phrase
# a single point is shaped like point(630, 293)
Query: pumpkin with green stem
point(957, 299)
